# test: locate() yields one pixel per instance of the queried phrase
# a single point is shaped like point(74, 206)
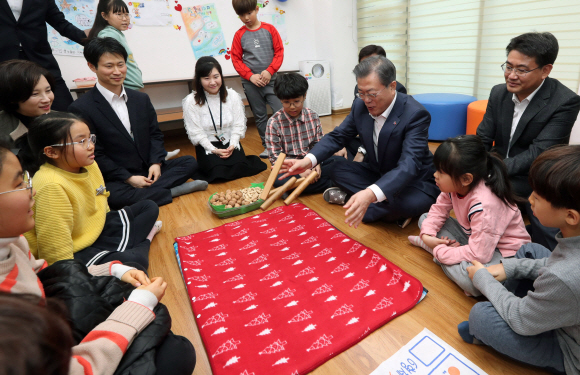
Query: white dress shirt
point(16, 7)
point(119, 105)
point(379, 122)
point(519, 109)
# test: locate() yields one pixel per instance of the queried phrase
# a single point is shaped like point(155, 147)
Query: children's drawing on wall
point(204, 30)
point(150, 13)
point(80, 13)
point(277, 18)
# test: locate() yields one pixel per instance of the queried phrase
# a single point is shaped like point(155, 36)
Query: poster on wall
point(150, 13)
point(204, 30)
point(80, 13)
point(277, 18)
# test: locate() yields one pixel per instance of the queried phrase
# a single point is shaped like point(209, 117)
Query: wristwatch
point(362, 150)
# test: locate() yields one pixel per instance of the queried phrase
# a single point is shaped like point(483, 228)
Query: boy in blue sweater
point(543, 327)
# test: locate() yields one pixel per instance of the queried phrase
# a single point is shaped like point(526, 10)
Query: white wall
point(318, 30)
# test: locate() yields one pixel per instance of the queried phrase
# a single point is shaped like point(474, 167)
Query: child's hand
point(342, 153)
point(266, 77)
point(319, 171)
point(139, 181)
point(256, 79)
point(498, 272)
point(433, 242)
point(471, 270)
point(136, 278)
point(157, 287)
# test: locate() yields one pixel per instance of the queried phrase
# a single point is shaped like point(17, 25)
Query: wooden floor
point(444, 307)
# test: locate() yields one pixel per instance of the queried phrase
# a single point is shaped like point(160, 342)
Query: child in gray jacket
point(542, 328)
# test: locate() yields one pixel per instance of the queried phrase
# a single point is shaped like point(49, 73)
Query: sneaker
point(264, 154)
point(172, 154)
point(402, 223)
point(334, 195)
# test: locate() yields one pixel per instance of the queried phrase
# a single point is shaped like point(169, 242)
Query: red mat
point(284, 291)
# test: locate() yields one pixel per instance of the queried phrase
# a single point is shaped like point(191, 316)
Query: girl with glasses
point(36, 339)
point(72, 216)
point(112, 19)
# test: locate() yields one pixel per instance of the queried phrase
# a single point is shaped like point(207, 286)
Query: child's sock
point(417, 241)
point(156, 229)
point(463, 329)
point(188, 187)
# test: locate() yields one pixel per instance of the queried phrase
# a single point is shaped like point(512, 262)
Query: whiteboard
point(164, 52)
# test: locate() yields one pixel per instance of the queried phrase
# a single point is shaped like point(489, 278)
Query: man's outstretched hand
point(292, 167)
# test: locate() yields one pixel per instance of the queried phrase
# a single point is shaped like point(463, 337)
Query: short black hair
point(543, 47)
point(17, 80)
point(4, 149)
point(290, 86)
point(371, 49)
point(97, 47)
point(555, 176)
point(244, 6)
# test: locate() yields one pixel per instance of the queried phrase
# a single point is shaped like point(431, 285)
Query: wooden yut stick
point(273, 176)
point(301, 187)
point(278, 193)
point(298, 182)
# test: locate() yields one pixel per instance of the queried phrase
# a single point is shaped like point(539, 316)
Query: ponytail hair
point(466, 154)
point(50, 129)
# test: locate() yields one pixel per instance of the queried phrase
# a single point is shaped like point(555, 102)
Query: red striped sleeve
point(86, 365)
point(118, 339)
point(10, 280)
point(278, 46)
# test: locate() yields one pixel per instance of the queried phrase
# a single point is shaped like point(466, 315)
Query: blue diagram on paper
point(452, 361)
point(427, 351)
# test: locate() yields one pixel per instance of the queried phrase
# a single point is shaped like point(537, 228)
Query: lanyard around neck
point(211, 115)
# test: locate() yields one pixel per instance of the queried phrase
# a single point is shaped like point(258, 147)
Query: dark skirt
point(238, 165)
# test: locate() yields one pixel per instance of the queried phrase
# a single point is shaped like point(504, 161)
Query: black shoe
point(334, 195)
point(402, 223)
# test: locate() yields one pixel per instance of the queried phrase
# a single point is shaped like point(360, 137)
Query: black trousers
point(124, 237)
point(173, 173)
point(175, 356)
point(540, 234)
point(353, 177)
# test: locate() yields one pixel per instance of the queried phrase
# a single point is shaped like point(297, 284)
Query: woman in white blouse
point(215, 120)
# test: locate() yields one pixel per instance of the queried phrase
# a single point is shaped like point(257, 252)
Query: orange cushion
point(475, 112)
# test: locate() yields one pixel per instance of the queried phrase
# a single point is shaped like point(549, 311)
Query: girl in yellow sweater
point(71, 212)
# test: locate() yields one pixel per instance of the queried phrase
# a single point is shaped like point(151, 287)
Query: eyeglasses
point(83, 142)
point(26, 180)
point(370, 96)
point(292, 104)
point(122, 16)
point(519, 72)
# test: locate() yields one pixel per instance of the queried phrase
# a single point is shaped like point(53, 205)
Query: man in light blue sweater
point(543, 327)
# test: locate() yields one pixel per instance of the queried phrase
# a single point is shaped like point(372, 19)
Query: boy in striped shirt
point(295, 129)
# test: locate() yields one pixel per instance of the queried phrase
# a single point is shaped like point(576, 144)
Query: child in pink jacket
point(488, 225)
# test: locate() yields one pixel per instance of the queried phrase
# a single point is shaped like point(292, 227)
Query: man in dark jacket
point(529, 114)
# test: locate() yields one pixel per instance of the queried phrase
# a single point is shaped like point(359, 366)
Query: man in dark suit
point(129, 148)
point(396, 183)
point(24, 37)
point(528, 114)
point(354, 149)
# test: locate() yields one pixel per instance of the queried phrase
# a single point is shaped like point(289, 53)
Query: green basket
point(222, 212)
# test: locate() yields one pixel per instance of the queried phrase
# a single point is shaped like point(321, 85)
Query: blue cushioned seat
point(448, 114)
